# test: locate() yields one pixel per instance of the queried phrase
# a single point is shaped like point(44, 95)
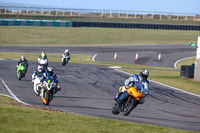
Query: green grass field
point(16, 118)
point(54, 36)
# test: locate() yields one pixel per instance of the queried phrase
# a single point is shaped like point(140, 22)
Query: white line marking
point(93, 58)
point(6, 95)
point(162, 84)
point(12, 93)
point(175, 64)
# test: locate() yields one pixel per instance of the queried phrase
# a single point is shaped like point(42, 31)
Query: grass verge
point(17, 118)
point(164, 75)
point(36, 36)
point(186, 62)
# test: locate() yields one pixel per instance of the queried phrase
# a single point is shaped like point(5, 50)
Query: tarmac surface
point(90, 89)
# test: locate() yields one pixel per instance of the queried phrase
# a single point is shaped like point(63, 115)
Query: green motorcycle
point(21, 70)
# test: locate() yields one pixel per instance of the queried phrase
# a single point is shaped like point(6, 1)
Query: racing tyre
point(20, 75)
point(130, 105)
point(115, 109)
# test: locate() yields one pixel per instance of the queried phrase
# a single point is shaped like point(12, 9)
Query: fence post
point(5, 11)
point(57, 12)
point(135, 15)
point(160, 16)
point(110, 13)
point(152, 15)
point(35, 11)
point(13, 10)
point(42, 11)
point(78, 12)
point(102, 14)
point(27, 10)
point(49, 12)
point(71, 12)
point(64, 12)
point(20, 11)
point(194, 16)
point(127, 14)
point(118, 14)
point(186, 17)
point(177, 17)
point(169, 16)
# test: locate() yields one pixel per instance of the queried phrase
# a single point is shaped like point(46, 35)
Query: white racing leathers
point(141, 85)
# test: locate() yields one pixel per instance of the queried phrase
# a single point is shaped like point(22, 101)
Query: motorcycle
point(43, 62)
point(21, 70)
point(131, 98)
point(65, 59)
point(47, 91)
point(37, 85)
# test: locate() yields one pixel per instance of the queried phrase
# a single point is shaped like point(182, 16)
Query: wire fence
point(73, 12)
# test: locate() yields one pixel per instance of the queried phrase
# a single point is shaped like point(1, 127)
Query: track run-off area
point(90, 89)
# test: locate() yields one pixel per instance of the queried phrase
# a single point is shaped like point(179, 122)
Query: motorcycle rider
point(48, 74)
point(43, 55)
point(139, 80)
point(66, 53)
point(23, 60)
point(38, 72)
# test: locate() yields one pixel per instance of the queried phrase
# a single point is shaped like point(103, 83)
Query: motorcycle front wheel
point(63, 62)
point(115, 109)
point(47, 97)
point(20, 75)
point(129, 106)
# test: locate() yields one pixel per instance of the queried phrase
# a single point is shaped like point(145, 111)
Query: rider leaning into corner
point(139, 80)
point(38, 72)
point(48, 74)
point(23, 60)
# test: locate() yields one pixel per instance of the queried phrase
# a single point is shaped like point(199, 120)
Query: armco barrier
point(135, 25)
point(29, 22)
point(58, 23)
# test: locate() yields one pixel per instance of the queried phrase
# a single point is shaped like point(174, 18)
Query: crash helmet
point(40, 68)
point(23, 58)
point(66, 51)
point(144, 73)
point(43, 54)
point(50, 71)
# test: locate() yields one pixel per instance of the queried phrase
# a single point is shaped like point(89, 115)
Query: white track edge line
point(162, 84)
point(175, 64)
point(93, 58)
point(12, 93)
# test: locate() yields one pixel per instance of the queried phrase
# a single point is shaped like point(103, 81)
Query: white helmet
point(66, 51)
point(40, 68)
point(23, 57)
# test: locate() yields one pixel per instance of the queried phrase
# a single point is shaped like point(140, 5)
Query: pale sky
point(176, 6)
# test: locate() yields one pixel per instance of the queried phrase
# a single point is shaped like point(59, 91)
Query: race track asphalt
point(89, 89)
point(148, 54)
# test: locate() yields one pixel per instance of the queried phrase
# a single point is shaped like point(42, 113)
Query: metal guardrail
point(39, 11)
point(135, 25)
point(58, 23)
